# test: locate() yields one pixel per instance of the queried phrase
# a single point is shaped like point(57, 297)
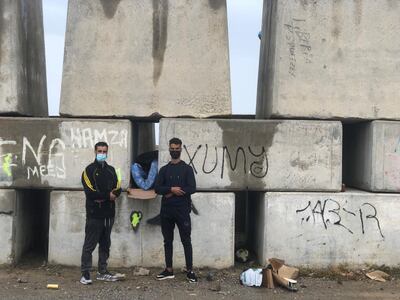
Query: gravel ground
point(29, 282)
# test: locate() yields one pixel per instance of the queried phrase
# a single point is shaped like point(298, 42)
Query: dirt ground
point(28, 281)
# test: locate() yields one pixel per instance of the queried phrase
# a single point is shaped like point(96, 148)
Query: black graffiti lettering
point(318, 205)
point(373, 216)
point(349, 212)
point(253, 161)
point(362, 221)
point(256, 167)
point(205, 159)
point(330, 212)
point(191, 158)
point(234, 165)
point(304, 209)
point(336, 212)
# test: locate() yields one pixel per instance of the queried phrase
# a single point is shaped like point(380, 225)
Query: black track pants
point(97, 231)
point(181, 217)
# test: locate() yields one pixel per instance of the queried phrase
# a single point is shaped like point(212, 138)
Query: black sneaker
point(191, 277)
point(165, 275)
point(106, 276)
point(85, 279)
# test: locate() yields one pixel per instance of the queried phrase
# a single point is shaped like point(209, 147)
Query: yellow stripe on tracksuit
point(87, 181)
point(118, 171)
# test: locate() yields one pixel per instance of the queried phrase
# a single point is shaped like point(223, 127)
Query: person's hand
point(176, 190)
point(112, 196)
point(169, 195)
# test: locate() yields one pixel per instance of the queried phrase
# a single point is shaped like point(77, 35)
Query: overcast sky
point(244, 21)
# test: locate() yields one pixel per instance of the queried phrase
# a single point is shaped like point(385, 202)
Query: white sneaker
point(85, 279)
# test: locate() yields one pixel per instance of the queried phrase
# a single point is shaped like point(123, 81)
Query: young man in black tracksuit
point(176, 182)
point(102, 186)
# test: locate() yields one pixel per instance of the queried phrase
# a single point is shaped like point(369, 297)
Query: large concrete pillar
point(22, 59)
point(329, 59)
point(146, 58)
point(258, 155)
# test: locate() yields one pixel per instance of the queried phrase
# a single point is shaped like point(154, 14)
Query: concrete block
point(258, 155)
point(7, 211)
point(52, 153)
point(139, 58)
point(144, 247)
point(326, 59)
point(323, 229)
point(372, 156)
point(22, 59)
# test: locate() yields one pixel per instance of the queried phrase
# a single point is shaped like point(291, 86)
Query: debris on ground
point(283, 270)
point(378, 275)
point(52, 286)
point(276, 273)
point(141, 272)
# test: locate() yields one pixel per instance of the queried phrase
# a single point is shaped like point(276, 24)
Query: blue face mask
point(100, 157)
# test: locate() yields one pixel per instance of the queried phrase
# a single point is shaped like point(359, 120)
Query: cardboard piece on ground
point(141, 194)
point(270, 279)
point(378, 275)
point(288, 272)
point(278, 265)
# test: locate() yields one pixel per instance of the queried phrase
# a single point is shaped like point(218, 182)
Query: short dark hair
point(100, 144)
point(175, 141)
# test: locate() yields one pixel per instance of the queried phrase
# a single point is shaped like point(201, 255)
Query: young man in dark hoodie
point(102, 186)
point(176, 182)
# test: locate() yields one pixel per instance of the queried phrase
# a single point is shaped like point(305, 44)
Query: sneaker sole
point(192, 281)
point(108, 280)
point(166, 277)
point(85, 282)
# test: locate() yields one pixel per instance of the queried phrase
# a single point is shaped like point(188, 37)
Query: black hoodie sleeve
point(160, 186)
point(190, 182)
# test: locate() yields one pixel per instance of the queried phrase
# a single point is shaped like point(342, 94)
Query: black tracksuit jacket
point(98, 181)
point(180, 174)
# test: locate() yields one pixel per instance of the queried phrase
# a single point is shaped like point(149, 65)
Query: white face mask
point(101, 157)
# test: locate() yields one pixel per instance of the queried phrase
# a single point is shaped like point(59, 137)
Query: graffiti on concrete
point(248, 159)
point(88, 137)
point(46, 157)
point(331, 213)
point(298, 40)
